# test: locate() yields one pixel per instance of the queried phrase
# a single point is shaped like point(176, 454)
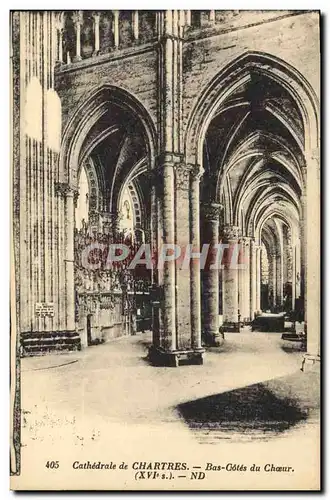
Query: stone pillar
point(253, 278)
point(67, 193)
point(294, 275)
point(69, 260)
point(310, 251)
point(258, 278)
point(115, 28)
point(279, 280)
point(195, 273)
point(182, 240)
point(303, 251)
point(174, 337)
point(96, 17)
point(59, 25)
point(177, 338)
point(135, 22)
point(77, 20)
point(272, 278)
point(244, 279)
point(230, 279)
point(298, 270)
point(169, 267)
point(156, 277)
point(212, 336)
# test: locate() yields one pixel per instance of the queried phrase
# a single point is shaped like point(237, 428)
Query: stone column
point(272, 278)
point(298, 270)
point(174, 337)
point(77, 20)
point(294, 275)
point(96, 17)
point(244, 279)
point(115, 28)
point(212, 336)
point(195, 281)
point(60, 23)
point(177, 340)
point(69, 261)
point(169, 267)
point(67, 193)
point(164, 333)
point(310, 257)
point(182, 240)
point(135, 22)
point(279, 280)
point(303, 251)
point(212, 16)
point(253, 278)
point(230, 279)
point(258, 278)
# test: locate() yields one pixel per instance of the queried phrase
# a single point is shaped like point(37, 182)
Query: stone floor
point(108, 397)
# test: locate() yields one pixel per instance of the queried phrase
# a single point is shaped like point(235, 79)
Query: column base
point(310, 362)
point(213, 339)
point(161, 357)
point(231, 326)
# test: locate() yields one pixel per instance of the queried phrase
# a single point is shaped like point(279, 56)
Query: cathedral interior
point(197, 132)
point(166, 127)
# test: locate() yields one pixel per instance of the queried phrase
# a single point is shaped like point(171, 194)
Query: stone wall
point(206, 51)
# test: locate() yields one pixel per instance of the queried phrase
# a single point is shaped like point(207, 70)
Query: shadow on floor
point(259, 411)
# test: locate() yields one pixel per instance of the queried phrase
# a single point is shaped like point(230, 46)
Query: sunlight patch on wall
point(33, 110)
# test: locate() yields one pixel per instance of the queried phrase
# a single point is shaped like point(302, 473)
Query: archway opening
point(112, 208)
point(253, 157)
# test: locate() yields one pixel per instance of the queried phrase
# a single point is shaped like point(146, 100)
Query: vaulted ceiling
point(116, 146)
point(253, 154)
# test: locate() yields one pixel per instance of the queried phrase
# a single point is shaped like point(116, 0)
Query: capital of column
point(183, 171)
point(64, 189)
point(96, 16)
point(182, 176)
point(59, 20)
point(77, 18)
point(165, 160)
point(230, 232)
point(169, 158)
point(212, 211)
point(196, 172)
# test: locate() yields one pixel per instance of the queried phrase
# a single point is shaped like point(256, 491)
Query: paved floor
point(85, 400)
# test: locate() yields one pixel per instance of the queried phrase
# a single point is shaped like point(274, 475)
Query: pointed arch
point(91, 109)
point(235, 74)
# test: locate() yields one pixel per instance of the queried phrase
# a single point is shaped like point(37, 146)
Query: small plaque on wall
point(45, 309)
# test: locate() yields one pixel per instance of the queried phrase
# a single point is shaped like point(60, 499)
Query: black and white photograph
point(165, 250)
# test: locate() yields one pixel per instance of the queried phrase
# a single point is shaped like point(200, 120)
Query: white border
point(6, 183)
